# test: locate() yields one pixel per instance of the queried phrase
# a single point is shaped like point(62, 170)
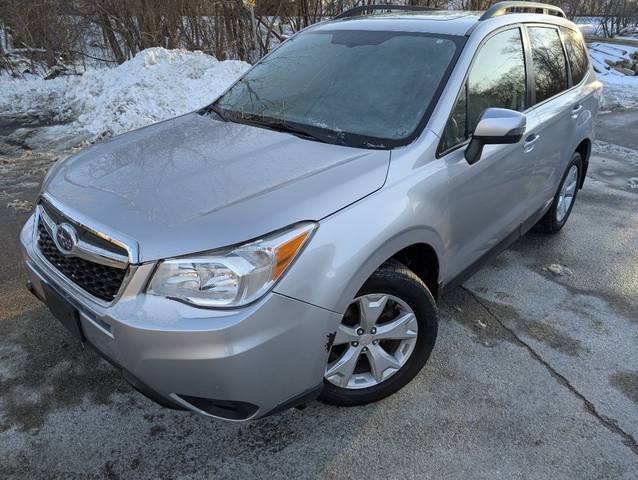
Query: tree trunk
point(107, 28)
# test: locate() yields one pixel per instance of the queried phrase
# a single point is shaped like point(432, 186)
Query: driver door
point(490, 199)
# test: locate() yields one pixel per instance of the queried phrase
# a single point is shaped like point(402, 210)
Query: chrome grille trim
point(125, 243)
point(85, 250)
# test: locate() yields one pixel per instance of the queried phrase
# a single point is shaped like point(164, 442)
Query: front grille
point(100, 281)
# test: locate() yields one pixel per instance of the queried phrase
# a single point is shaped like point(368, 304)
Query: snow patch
point(20, 205)
point(155, 85)
point(619, 92)
point(558, 270)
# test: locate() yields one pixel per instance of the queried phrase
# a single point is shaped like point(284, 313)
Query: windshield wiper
point(317, 134)
point(295, 130)
point(313, 133)
point(220, 113)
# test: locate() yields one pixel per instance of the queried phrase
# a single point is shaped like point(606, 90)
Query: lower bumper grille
point(101, 281)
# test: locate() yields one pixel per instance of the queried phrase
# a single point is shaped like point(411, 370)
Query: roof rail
point(503, 8)
point(366, 9)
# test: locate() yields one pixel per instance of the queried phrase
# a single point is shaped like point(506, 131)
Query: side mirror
point(495, 126)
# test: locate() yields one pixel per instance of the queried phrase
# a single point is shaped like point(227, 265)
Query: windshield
point(371, 89)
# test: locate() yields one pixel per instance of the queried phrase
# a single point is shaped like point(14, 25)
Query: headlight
point(232, 276)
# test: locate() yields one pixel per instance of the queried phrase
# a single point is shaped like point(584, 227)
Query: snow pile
point(604, 54)
point(620, 90)
point(155, 85)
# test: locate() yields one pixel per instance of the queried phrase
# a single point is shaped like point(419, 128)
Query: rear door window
point(548, 58)
point(576, 53)
point(496, 79)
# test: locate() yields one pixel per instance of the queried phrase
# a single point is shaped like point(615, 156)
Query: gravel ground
point(535, 373)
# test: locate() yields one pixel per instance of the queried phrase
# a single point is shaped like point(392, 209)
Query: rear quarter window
point(576, 53)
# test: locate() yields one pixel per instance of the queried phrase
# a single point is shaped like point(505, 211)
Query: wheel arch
point(329, 274)
point(423, 260)
point(584, 149)
point(415, 247)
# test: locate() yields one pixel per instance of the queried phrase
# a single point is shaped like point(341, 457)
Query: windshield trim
point(350, 139)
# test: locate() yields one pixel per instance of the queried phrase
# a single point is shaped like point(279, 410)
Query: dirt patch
point(272, 434)
point(52, 371)
point(627, 383)
point(624, 306)
point(20, 172)
point(464, 308)
point(551, 337)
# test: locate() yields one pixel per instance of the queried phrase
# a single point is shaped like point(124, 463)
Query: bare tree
point(51, 32)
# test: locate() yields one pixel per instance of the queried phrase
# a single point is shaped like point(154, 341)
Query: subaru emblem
point(65, 238)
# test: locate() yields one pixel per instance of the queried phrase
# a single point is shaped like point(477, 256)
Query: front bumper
point(234, 364)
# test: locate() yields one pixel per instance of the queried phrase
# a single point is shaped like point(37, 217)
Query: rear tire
point(564, 199)
point(389, 353)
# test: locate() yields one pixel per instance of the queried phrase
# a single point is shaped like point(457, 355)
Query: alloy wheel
point(375, 339)
point(567, 193)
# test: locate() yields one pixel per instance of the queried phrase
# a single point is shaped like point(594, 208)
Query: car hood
point(194, 183)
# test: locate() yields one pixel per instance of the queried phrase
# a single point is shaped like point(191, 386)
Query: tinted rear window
point(578, 60)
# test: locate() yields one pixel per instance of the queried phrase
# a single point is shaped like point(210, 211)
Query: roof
point(450, 22)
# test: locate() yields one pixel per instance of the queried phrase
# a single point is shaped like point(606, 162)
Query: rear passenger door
point(583, 95)
point(550, 123)
point(489, 199)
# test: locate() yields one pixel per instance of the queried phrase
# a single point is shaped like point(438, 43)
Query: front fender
point(348, 247)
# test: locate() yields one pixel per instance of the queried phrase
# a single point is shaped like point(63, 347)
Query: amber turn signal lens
point(287, 251)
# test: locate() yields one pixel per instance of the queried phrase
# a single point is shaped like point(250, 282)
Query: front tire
point(556, 217)
point(384, 340)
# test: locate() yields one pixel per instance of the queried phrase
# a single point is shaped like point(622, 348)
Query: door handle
point(576, 110)
point(530, 141)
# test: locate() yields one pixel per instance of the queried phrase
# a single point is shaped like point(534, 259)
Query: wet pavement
point(534, 375)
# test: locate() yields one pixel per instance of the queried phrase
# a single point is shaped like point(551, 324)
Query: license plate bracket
point(61, 309)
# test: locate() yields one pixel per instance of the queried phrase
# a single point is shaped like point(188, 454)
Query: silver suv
point(289, 240)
